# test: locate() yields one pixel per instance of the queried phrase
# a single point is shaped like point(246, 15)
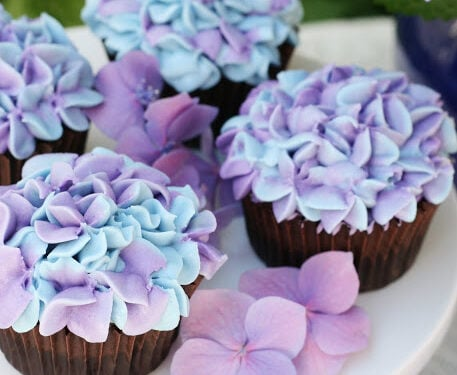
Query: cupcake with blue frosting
point(341, 158)
point(46, 87)
point(99, 257)
point(216, 50)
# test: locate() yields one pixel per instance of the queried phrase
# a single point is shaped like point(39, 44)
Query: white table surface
point(369, 43)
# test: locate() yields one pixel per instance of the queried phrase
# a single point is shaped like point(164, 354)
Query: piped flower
point(231, 333)
point(103, 236)
point(340, 146)
point(327, 286)
point(197, 43)
point(46, 86)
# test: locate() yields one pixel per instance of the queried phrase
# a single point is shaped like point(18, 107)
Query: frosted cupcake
point(216, 50)
point(344, 159)
point(99, 257)
point(46, 85)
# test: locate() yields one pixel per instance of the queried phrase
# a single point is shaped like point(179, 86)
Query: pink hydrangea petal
point(136, 67)
point(341, 334)
point(135, 143)
point(218, 315)
point(329, 282)
point(279, 282)
point(120, 105)
point(201, 357)
point(141, 318)
point(161, 114)
point(277, 324)
point(191, 122)
point(266, 362)
point(312, 361)
point(13, 295)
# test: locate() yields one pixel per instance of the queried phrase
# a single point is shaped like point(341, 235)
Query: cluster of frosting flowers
point(102, 236)
point(283, 321)
point(46, 84)
point(340, 146)
point(196, 42)
point(153, 130)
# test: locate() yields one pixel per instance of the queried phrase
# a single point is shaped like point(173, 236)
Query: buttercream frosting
point(45, 84)
point(197, 42)
point(341, 145)
point(104, 236)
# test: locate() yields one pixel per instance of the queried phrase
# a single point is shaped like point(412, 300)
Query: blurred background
point(67, 11)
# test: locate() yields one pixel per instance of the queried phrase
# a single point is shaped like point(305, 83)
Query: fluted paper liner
point(64, 353)
point(380, 257)
point(71, 141)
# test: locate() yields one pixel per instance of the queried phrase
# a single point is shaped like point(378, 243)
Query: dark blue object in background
point(431, 49)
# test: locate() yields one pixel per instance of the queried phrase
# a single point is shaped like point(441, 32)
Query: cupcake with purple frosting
point(216, 50)
point(99, 256)
point(341, 158)
point(46, 86)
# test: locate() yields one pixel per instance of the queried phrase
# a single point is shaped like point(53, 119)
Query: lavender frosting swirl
point(341, 146)
point(45, 84)
point(100, 235)
point(197, 42)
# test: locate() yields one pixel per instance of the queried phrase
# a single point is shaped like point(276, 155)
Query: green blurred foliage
point(68, 11)
point(445, 9)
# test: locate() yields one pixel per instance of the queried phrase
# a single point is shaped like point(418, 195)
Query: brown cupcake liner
point(64, 353)
point(380, 257)
point(71, 141)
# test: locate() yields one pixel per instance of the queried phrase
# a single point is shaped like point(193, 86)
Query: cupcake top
point(45, 84)
point(197, 42)
point(103, 236)
point(340, 146)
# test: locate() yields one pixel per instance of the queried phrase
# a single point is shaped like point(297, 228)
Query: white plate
point(409, 317)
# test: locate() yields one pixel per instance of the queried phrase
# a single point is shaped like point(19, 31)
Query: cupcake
point(341, 158)
point(99, 257)
point(46, 85)
point(216, 50)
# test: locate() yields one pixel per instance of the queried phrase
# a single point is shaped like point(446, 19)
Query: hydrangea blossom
point(231, 333)
point(197, 42)
point(340, 145)
point(327, 286)
point(45, 84)
point(103, 236)
point(153, 130)
point(284, 321)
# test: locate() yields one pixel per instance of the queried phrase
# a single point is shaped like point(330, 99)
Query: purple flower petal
point(341, 334)
point(311, 360)
point(266, 327)
point(204, 357)
point(266, 362)
point(13, 295)
point(225, 323)
point(329, 282)
point(279, 282)
point(142, 258)
point(52, 233)
point(12, 81)
point(141, 318)
point(135, 143)
point(8, 222)
point(390, 202)
point(63, 208)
